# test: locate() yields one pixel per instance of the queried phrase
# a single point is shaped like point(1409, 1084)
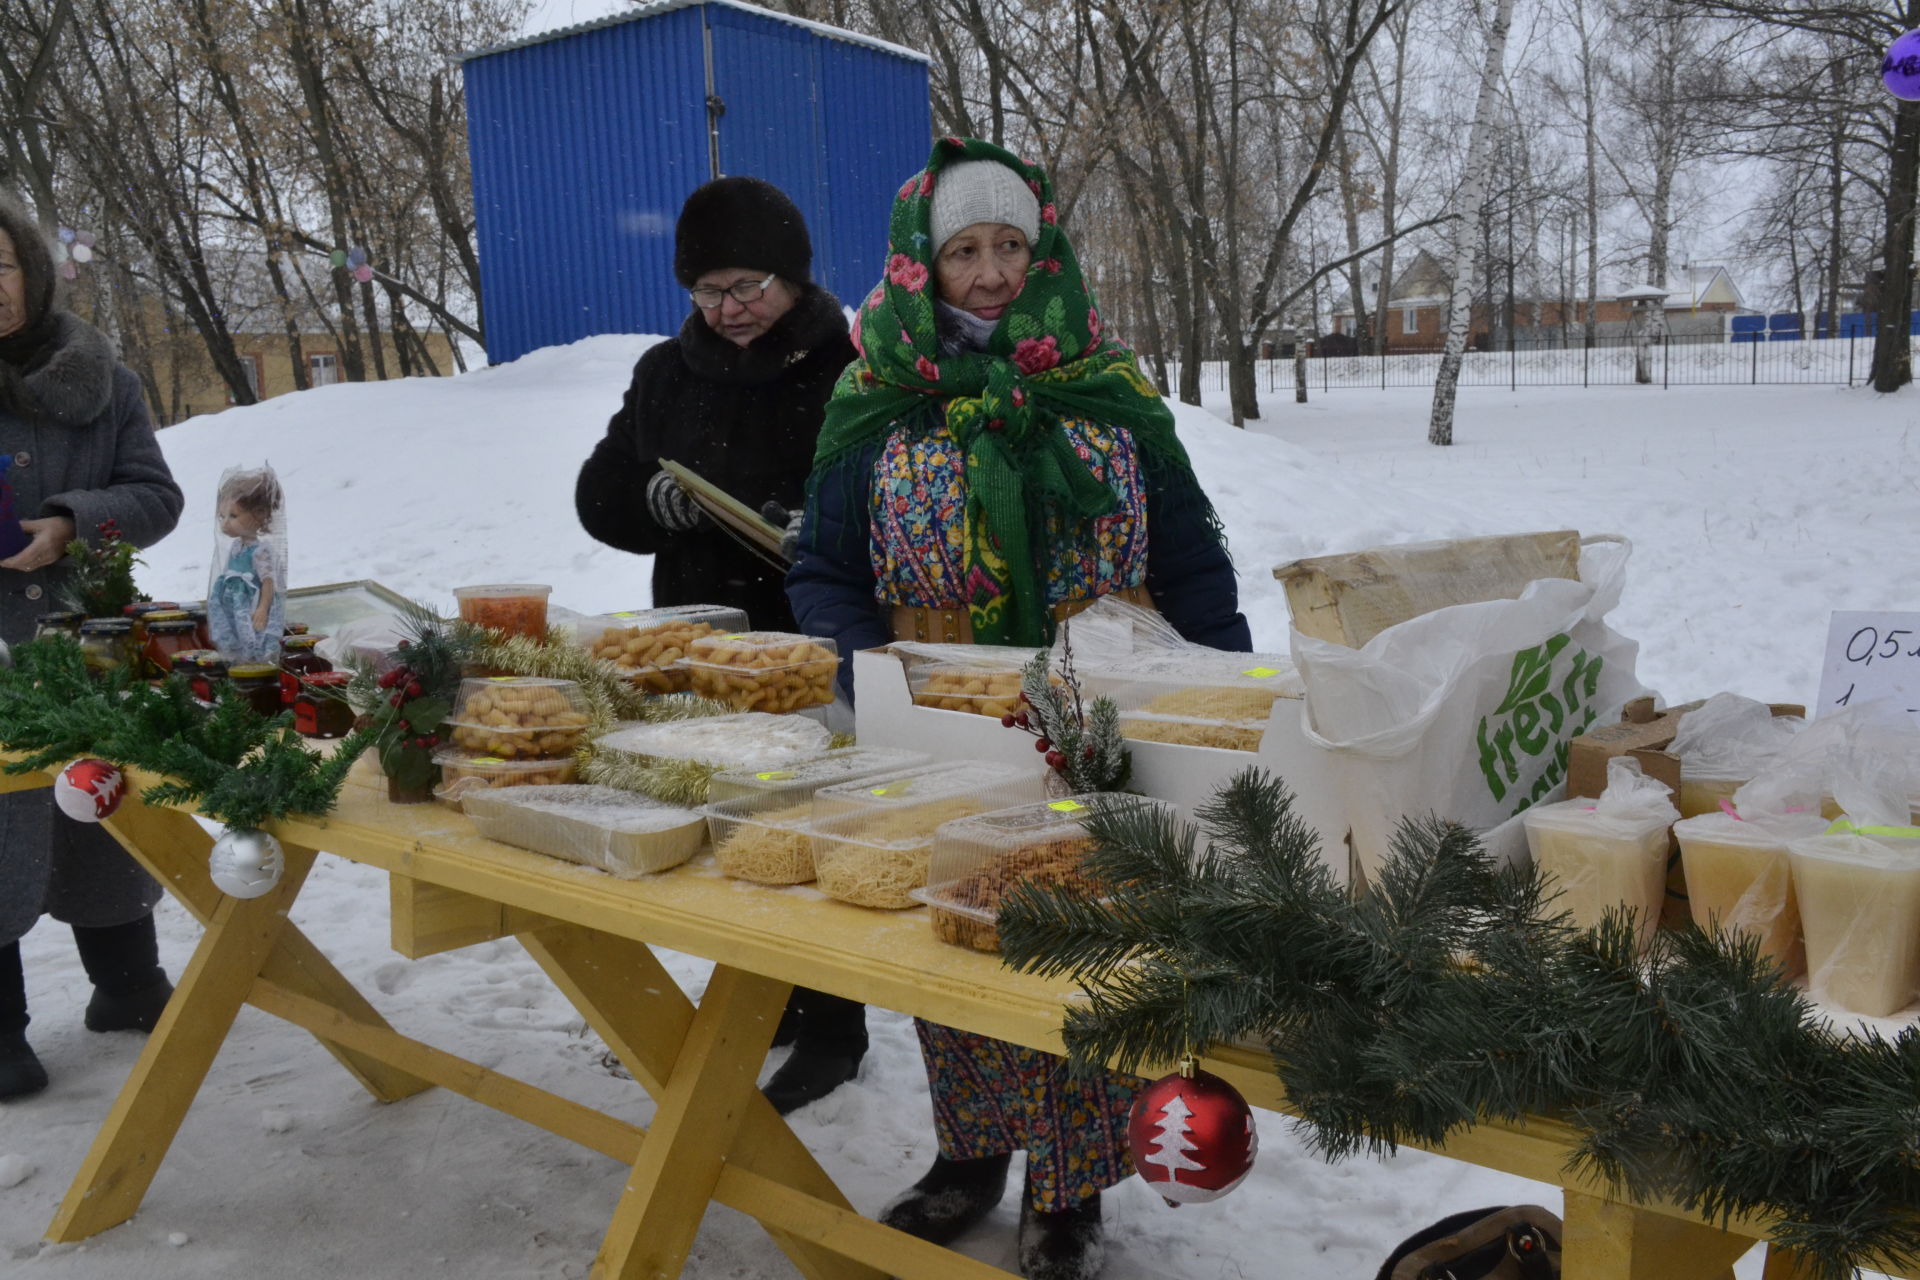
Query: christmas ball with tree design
point(89, 790)
point(1191, 1137)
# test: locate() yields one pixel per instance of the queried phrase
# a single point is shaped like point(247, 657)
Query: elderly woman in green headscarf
point(992, 463)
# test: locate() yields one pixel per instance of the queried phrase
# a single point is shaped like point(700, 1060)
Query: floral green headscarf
point(1048, 358)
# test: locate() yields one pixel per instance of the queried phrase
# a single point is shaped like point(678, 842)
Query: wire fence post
point(1755, 380)
point(1850, 338)
point(1586, 362)
point(1513, 362)
point(1666, 363)
point(1383, 366)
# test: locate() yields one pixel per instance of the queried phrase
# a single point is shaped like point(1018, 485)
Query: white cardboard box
point(885, 716)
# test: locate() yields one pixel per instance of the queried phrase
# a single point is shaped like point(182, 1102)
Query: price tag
point(1261, 673)
point(1871, 655)
point(1066, 806)
point(777, 775)
point(624, 613)
point(488, 760)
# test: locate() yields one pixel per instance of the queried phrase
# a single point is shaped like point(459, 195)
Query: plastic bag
point(1731, 737)
point(1608, 853)
point(1865, 759)
point(247, 590)
point(1466, 712)
point(1114, 637)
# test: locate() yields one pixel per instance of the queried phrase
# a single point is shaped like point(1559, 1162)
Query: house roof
point(668, 6)
point(1694, 284)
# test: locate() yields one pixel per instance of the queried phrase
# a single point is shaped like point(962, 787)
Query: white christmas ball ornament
point(245, 863)
point(89, 790)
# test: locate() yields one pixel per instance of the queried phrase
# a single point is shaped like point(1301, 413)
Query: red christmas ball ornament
point(89, 790)
point(1191, 1137)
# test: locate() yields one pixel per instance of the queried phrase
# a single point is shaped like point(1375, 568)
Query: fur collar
point(71, 386)
point(813, 322)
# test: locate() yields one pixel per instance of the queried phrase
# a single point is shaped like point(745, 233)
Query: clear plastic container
point(1596, 863)
point(648, 644)
point(977, 861)
point(848, 764)
point(978, 679)
point(759, 820)
point(773, 671)
point(1738, 876)
point(619, 832)
point(747, 741)
point(518, 608)
point(519, 717)
point(872, 839)
point(1860, 910)
point(1227, 712)
point(465, 772)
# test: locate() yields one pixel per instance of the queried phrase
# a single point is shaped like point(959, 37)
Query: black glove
point(775, 512)
point(670, 506)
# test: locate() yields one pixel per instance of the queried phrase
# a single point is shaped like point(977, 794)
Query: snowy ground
point(1753, 514)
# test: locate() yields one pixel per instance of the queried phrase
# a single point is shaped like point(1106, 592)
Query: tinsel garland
point(1450, 992)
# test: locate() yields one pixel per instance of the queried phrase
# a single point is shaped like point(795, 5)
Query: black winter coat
point(745, 418)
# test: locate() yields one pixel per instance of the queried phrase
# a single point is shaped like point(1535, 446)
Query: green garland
point(1449, 993)
point(237, 766)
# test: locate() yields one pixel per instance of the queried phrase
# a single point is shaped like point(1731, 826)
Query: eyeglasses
point(746, 292)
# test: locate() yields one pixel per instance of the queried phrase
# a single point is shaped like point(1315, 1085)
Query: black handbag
point(1517, 1242)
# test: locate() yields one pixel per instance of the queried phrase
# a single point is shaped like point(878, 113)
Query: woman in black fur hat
point(737, 396)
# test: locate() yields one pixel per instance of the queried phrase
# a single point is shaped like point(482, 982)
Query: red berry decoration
point(1006, 722)
point(1042, 745)
point(1022, 719)
point(1191, 1137)
point(1086, 752)
point(1058, 759)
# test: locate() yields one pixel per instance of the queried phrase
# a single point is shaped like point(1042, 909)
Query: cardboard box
point(885, 716)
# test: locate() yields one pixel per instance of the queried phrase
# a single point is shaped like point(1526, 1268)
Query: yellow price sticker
point(1066, 806)
point(777, 775)
point(488, 760)
point(1261, 673)
point(624, 613)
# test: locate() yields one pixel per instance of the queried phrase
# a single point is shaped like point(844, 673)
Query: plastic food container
point(464, 772)
point(1228, 712)
point(774, 671)
point(647, 644)
point(872, 839)
point(980, 679)
point(1860, 910)
point(1738, 876)
point(748, 741)
point(519, 717)
point(848, 764)
point(760, 821)
point(621, 833)
point(519, 609)
point(977, 861)
point(1597, 863)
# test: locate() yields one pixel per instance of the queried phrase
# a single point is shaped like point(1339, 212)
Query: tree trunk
point(1243, 389)
point(1837, 178)
point(1468, 212)
point(1299, 366)
point(1892, 347)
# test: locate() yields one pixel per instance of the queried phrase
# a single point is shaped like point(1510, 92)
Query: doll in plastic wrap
point(246, 600)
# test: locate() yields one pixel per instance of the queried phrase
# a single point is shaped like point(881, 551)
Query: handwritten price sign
point(1871, 655)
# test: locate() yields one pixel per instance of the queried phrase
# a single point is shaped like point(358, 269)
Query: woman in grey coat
point(83, 453)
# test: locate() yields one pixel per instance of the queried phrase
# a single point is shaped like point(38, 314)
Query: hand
point(778, 513)
point(260, 619)
point(50, 538)
point(670, 506)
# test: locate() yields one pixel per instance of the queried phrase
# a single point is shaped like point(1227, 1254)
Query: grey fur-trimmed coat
point(82, 446)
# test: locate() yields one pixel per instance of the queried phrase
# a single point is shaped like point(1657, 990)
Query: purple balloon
point(1900, 71)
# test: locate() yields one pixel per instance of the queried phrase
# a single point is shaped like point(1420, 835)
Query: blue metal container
point(586, 141)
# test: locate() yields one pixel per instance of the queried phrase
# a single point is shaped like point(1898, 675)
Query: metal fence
point(1608, 363)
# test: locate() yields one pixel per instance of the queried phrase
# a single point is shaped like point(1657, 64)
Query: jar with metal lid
point(185, 663)
point(66, 623)
point(299, 659)
point(295, 628)
point(210, 674)
point(197, 610)
point(321, 709)
point(107, 644)
point(259, 684)
point(138, 612)
point(165, 638)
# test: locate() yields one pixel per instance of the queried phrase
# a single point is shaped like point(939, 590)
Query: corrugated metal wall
point(585, 146)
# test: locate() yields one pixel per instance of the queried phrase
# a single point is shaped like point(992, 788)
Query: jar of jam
point(137, 613)
point(58, 624)
point(210, 674)
point(107, 644)
point(321, 709)
point(259, 684)
point(295, 629)
point(167, 636)
point(299, 659)
point(185, 663)
point(203, 637)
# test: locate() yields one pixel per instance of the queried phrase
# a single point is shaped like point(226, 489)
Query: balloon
point(84, 238)
point(363, 273)
point(69, 272)
point(337, 259)
point(81, 253)
point(356, 257)
point(66, 235)
point(1900, 71)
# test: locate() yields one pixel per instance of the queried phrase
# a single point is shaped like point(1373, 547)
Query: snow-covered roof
point(1705, 282)
point(1641, 293)
point(667, 6)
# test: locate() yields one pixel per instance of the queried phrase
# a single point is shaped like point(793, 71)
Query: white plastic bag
point(1466, 712)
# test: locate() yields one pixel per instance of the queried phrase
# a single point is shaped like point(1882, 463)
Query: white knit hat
point(981, 191)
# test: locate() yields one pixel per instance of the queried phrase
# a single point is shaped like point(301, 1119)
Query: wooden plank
point(1608, 1240)
point(1785, 1264)
point(843, 1231)
point(1352, 597)
point(428, 919)
point(11, 782)
point(114, 1176)
point(298, 966)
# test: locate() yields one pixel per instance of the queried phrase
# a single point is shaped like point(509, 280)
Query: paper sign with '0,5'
point(1869, 656)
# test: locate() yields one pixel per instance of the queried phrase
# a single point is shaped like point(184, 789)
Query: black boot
point(130, 989)
point(828, 1045)
point(949, 1198)
point(789, 1027)
point(1067, 1245)
point(20, 1071)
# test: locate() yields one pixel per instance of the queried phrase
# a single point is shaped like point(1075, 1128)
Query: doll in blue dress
point(246, 601)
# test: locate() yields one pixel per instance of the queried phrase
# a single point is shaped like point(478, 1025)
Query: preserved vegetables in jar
point(167, 637)
point(107, 644)
point(518, 609)
point(299, 659)
point(137, 613)
point(58, 624)
point(203, 637)
point(320, 709)
point(210, 674)
point(259, 684)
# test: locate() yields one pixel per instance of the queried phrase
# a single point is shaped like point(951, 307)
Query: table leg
point(1608, 1240)
point(134, 1138)
point(631, 1000)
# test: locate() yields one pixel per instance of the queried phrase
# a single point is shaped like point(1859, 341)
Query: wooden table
point(712, 1128)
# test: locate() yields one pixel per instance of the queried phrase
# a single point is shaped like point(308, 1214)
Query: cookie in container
point(519, 717)
point(464, 772)
point(773, 671)
point(1200, 699)
point(648, 644)
point(759, 820)
point(981, 679)
point(619, 832)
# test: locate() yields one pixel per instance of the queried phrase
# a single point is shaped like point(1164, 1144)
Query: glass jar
point(518, 609)
point(298, 660)
point(137, 613)
point(321, 709)
point(107, 644)
point(167, 637)
point(294, 629)
point(210, 675)
point(259, 684)
point(59, 624)
point(203, 636)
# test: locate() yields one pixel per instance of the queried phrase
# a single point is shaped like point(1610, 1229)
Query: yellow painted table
point(712, 1128)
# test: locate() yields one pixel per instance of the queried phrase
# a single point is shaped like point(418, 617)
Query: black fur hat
point(741, 222)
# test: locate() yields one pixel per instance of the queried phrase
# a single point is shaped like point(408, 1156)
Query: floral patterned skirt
point(990, 1097)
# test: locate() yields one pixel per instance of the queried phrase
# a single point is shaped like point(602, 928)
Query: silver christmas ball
point(245, 863)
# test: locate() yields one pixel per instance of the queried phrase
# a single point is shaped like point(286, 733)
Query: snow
point(1753, 513)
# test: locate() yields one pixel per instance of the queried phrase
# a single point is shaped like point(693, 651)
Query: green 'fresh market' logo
point(1549, 702)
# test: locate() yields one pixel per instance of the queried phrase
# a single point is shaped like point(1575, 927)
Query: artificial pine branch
point(1082, 741)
